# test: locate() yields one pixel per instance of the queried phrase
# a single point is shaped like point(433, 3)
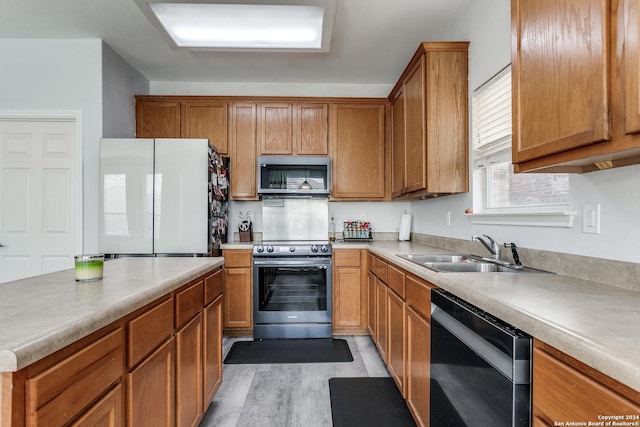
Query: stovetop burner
point(290, 248)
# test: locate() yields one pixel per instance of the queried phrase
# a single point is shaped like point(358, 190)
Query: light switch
point(591, 218)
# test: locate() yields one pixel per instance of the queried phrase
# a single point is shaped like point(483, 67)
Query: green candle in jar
point(89, 267)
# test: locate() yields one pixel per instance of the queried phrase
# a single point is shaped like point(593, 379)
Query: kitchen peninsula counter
point(594, 322)
point(43, 314)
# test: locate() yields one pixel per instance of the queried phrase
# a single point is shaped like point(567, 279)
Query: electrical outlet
point(447, 218)
point(591, 218)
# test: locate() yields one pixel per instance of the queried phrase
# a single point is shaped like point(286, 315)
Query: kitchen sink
point(440, 258)
point(460, 263)
point(470, 267)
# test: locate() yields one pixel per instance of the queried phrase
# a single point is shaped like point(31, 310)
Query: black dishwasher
point(480, 367)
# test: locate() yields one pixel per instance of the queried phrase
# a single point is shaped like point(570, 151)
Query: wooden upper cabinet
point(157, 119)
point(357, 150)
point(166, 117)
point(430, 134)
point(576, 85)
point(293, 129)
point(398, 185)
point(275, 128)
point(447, 114)
point(560, 66)
point(311, 129)
point(206, 119)
point(415, 147)
point(631, 63)
point(244, 160)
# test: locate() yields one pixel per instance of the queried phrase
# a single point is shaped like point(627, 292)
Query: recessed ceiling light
point(254, 25)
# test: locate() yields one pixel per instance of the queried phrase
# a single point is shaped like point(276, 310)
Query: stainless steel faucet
point(492, 246)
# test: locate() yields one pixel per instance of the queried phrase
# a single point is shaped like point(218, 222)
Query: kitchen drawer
point(237, 258)
point(371, 262)
point(149, 330)
point(189, 302)
point(395, 280)
point(346, 258)
point(378, 267)
point(61, 392)
point(213, 286)
point(418, 295)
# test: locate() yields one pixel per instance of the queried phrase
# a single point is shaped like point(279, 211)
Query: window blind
point(491, 120)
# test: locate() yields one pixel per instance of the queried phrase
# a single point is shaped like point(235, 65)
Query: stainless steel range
point(292, 294)
point(292, 270)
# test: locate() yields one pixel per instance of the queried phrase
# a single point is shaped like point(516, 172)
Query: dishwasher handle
point(517, 371)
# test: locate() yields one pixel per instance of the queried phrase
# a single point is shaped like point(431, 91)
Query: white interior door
point(38, 173)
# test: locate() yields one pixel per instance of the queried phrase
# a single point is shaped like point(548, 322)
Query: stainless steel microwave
point(294, 176)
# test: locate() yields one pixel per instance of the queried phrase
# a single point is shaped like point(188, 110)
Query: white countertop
point(595, 323)
point(43, 314)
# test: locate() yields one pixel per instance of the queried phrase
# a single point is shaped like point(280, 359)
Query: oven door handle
point(293, 262)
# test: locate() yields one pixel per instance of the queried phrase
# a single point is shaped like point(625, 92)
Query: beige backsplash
point(621, 274)
point(615, 273)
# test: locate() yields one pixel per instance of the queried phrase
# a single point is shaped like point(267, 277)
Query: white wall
point(486, 25)
point(67, 75)
point(55, 75)
point(271, 89)
point(120, 82)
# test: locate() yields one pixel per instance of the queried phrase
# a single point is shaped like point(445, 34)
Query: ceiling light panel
point(256, 26)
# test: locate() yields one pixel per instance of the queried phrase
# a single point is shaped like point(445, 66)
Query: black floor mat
point(368, 402)
point(317, 350)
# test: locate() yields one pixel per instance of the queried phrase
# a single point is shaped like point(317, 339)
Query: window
point(503, 189)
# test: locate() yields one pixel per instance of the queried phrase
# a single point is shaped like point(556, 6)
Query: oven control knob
point(324, 248)
point(292, 248)
point(260, 249)
point(270, 248)
point(314, 248)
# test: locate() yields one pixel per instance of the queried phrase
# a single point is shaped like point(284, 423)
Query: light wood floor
point(291, 395)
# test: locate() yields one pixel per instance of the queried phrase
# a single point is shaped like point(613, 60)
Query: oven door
point(292, 290)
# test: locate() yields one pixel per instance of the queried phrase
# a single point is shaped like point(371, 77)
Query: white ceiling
point(372, 40)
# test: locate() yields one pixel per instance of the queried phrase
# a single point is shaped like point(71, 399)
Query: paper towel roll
point(404, 233)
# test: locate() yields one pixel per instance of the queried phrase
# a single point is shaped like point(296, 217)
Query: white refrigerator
point(154, 196)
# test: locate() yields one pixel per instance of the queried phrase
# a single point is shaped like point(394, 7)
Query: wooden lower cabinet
point(566, 389)
point(381, 319)
point(157, 366)
point(62, 391)
point(151, 391)
point(212, 350)
point(396, 339)
point(238, 292)
point(107, 412)
point(371, 305)
point(238, 303)
point(189, 373)
point(398, 322)
point(418, 369)
point(349, 293)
